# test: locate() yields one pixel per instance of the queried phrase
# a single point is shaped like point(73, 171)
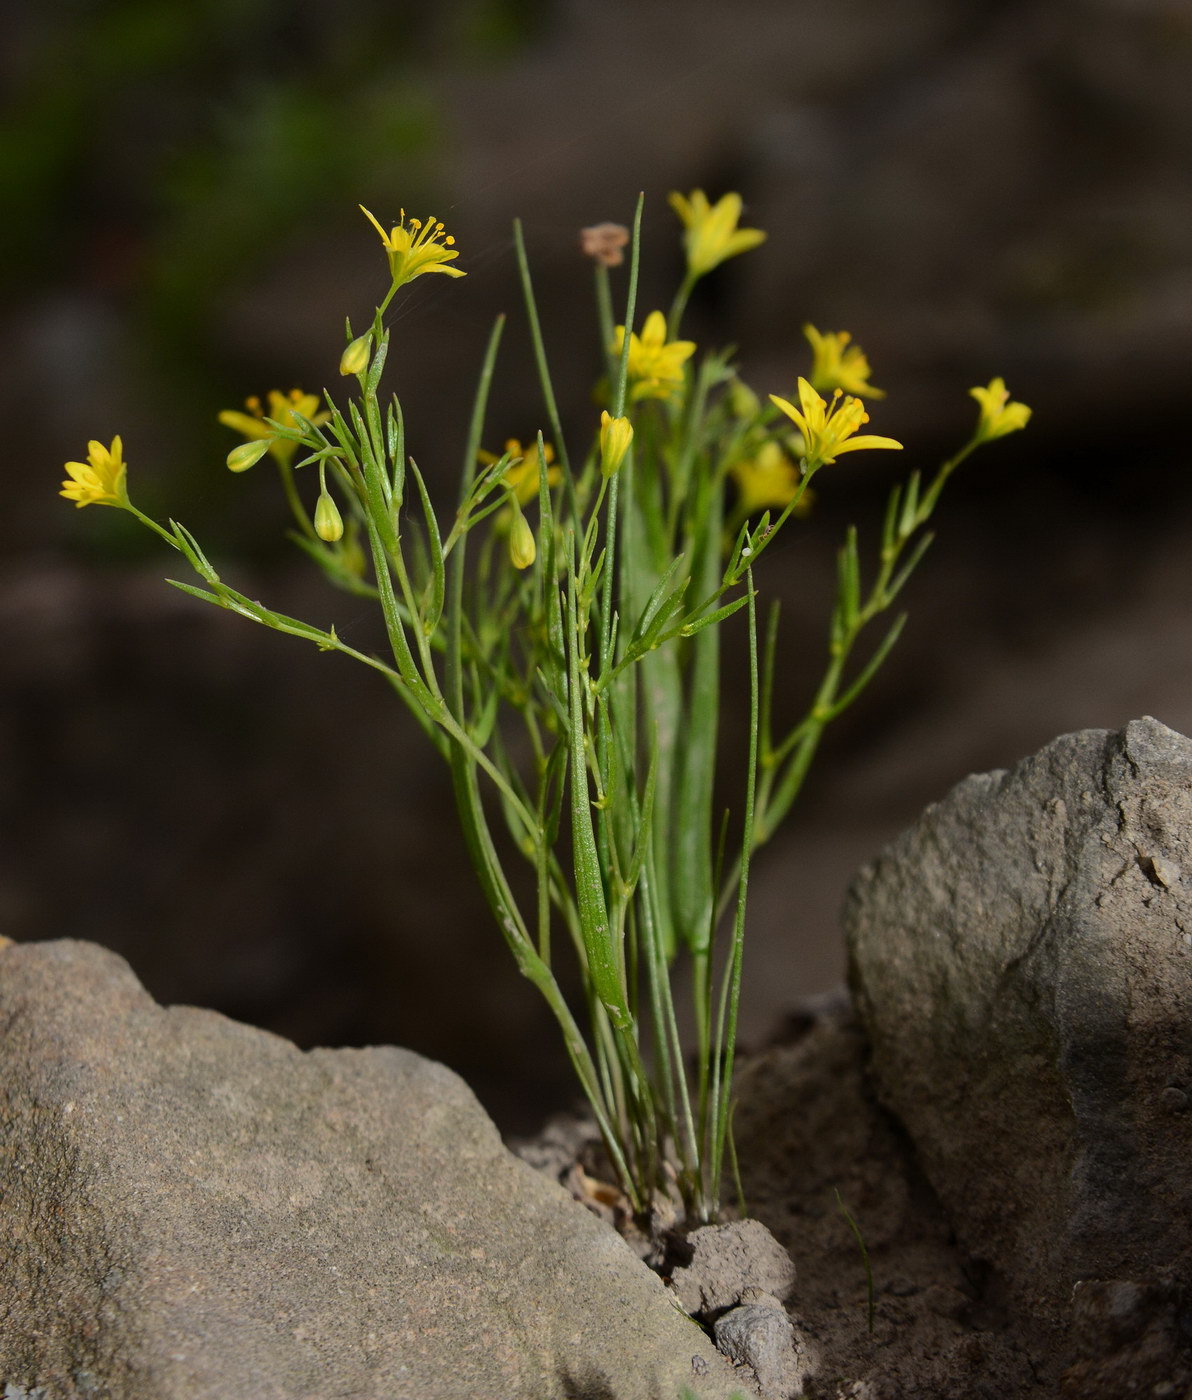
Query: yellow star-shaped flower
point(285, 409)
point(711, 233)
point(655, 364)
point(418, 248)
point(100, 480)
point(999, 416)
point(828, 430)
point(839, 365)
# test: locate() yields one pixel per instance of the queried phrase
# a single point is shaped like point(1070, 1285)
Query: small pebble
point(945, 1301)
point(1173, 1099)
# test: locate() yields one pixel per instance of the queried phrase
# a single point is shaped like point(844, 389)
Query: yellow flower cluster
point(770, 471)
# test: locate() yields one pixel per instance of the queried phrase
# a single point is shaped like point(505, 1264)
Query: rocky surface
point(809, 1127)
point(761, 1336)
point(810, 1135)
point(723, 1262)
point(193, 1209)
point(1022, 962)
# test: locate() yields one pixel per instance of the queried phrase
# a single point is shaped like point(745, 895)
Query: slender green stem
point(726, 1035)
point(675, 319)
point(540, 360)
point(297, 509)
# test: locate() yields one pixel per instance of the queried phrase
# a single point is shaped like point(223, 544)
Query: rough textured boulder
point(1022, 960)
point(192, 1209)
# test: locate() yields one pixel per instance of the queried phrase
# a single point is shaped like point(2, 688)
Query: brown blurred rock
point(193, 1208)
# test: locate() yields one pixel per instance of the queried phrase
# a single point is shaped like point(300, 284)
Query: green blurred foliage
point(199, 136)
point(166, 159)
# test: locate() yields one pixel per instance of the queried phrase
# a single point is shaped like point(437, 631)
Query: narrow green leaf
point(198, 592)
point(908, 517)
point(871, 668)
point(689, 629)
point(194, 555)
point(890, 522)
point(660, 602)
point(603, 963)
point(377, 366)
point(895, 587)
point(395, 445)
point(849, 578)
point(438, 578)
point(644, 821)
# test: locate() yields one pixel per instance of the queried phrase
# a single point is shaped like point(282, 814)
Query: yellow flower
point(615, 436)
point(655, 364)
point(839, 365)
point(999, 416)
point(521, 475)
point(828, 431)
point(712, 233)
point(768, 478)
point(100, 480)
point(285, 409)
point(417, 249)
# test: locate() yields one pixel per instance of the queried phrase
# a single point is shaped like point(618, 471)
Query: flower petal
point(245, 423)
point(791, 412)
point(855, 444)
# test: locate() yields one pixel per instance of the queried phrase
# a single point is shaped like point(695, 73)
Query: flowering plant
point(557, 638)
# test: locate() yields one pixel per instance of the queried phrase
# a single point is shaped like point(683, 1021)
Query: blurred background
point(970, 188)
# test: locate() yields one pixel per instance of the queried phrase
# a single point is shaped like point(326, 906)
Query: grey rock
point(762, 1337)
point(191, 1209)
point(1021, 963)
point(726, 1261)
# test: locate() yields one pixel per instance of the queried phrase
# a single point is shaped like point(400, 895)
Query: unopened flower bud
point(329, 523)
point(248, 454)
point(743, 402)
point(615, 436)
point(355, 358)
point(522, 549)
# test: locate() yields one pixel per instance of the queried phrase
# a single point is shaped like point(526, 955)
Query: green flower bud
point(522, 549)
point(248, 454)
point(742, 401)
point(354, 359)
point(329, 524)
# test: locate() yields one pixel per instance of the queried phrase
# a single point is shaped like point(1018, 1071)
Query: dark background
point(971, 189)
